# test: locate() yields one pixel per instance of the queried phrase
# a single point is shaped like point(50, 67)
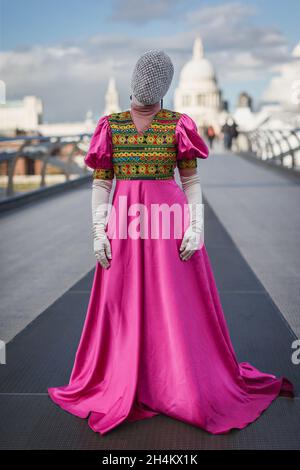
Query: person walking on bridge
point(210, 134)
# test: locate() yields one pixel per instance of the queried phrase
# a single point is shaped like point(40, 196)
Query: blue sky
point(65, 51)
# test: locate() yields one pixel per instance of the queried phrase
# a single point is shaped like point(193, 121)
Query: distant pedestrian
point(230, 132)
point(210, 133)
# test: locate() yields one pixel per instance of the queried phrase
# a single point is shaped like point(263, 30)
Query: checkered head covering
point(152, 76)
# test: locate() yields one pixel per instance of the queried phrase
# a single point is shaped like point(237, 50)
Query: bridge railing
point(279, 147)
point(57, 151)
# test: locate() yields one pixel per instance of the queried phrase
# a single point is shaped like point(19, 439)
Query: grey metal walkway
point(47, 246)
point(42, 355)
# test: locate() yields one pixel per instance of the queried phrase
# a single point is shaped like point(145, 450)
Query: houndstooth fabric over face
point(152, 76)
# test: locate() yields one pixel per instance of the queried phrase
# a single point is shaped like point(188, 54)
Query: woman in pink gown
point(155, 340)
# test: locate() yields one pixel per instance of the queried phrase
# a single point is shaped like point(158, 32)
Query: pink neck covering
point(142, 115)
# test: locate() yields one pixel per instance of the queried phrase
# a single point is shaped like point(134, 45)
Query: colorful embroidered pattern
point(187, 163)
point(150, 154)
point(103, 173)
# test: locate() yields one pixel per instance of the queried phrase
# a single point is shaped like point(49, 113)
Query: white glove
point(193, 238)
point(100, 195)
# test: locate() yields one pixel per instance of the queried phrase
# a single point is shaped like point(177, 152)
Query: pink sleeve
point(99, 155)
point(190, 144)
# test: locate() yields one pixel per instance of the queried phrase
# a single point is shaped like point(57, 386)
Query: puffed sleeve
point(190, 144)
point(99, 155)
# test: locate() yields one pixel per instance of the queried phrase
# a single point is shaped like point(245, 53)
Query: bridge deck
point(42, 354)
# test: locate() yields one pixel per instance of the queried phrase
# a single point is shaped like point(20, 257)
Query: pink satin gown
point(155, 338)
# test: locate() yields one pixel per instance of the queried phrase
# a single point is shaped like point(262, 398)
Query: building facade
point(198, 93)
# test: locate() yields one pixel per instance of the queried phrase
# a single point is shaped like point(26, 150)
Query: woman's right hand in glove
point(100, 197)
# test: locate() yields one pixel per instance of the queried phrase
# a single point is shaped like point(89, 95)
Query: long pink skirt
point(155, 340)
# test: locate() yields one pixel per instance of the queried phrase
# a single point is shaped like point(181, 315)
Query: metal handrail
point(277, 146)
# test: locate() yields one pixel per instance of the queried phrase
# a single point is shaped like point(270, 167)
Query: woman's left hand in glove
point(191, 242)
point(193, 238)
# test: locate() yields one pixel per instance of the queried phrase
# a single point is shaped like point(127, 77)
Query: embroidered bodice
point(118, 149)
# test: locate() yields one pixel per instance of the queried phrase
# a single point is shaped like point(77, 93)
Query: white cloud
point(215, 16)
point(282, 87)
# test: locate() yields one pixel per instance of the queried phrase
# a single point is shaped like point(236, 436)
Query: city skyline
point(68, 63)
